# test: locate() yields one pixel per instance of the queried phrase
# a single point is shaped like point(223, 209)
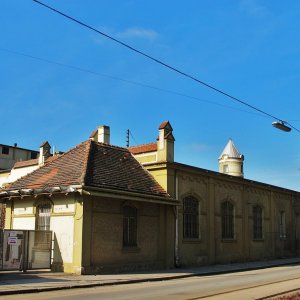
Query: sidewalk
point(39, 281)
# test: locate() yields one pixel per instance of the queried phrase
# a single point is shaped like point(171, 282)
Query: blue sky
point(247, 48)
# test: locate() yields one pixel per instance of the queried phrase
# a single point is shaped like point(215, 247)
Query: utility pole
point(127, 138)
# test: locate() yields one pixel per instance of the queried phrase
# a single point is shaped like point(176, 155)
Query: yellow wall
point(211, 189)
point(155, 237)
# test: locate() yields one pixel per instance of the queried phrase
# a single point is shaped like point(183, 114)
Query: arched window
point(257, 223)
point(190, 218)
point(227, 215)
point(43, 212)
point(129, 226)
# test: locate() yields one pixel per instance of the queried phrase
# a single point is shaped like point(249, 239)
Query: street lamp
point(281, 125)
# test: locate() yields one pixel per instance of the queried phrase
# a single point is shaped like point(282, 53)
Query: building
point(9, 155)
point(222, 217)
point(115, 210)
point(105, 210)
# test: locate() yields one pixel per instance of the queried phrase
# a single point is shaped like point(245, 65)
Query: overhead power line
point(144, 85)
point(164, 64)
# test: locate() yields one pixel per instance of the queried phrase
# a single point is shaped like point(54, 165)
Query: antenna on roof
point(127, 138)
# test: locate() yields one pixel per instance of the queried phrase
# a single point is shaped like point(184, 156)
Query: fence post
point(25, 250)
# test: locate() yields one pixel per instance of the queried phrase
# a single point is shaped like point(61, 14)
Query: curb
point(132, 281)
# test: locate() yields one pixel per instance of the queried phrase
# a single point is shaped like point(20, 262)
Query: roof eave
point(99, 191)
point(26, 192)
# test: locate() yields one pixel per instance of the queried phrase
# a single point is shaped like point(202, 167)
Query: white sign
point(12, 240)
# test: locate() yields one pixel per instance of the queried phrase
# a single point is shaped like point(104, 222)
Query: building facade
point(113, 209)
point(106, 212)
point(9, 155)
point(222, 217)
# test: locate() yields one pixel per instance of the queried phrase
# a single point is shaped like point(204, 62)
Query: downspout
point(177, 260)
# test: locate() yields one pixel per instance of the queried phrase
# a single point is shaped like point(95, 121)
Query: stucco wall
point(61, 224)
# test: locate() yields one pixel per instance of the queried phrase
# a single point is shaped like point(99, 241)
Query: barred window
point(190, 218)
point(43, 212)
point(129, 226)
point(257, 223)
point(282, 229)
point(42, 235)
point(227, 216)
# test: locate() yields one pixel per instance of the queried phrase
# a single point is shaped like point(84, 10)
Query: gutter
point(94, 191)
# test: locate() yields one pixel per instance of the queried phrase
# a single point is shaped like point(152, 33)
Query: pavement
point(13, 282)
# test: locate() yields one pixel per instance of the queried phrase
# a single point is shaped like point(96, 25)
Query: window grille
point(257, 223)
point(129, 226)
point(227, 220)
point(282, 229)
point(43, 216)
point(42, 235)
point(190, 218)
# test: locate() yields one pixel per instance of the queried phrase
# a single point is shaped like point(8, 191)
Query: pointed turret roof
point(231, 150)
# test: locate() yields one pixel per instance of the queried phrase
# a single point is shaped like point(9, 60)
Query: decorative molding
point(193, 178)
point(227, 185)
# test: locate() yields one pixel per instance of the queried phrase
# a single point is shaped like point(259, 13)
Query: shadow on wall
point(57, 261)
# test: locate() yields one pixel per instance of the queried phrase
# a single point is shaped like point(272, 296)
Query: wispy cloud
point(252, 7)
point(138, 32)
point(128, 33)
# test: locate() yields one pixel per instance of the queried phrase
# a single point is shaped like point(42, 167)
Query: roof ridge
point(86, 162)
point(111, 146)
point(140, 145)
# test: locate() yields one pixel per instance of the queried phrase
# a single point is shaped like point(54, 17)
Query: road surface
point(241, 285)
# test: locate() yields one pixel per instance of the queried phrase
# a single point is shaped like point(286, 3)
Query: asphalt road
point(241, 285)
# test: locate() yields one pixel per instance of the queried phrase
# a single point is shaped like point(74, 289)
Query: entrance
point(25, 249)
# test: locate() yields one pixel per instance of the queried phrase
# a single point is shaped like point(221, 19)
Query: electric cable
point(164, 64)
point(80, 69)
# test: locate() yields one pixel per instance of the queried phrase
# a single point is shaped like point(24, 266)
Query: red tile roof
point(164, 125)
point(26, 163)
point(143, 148)
point(96, 165)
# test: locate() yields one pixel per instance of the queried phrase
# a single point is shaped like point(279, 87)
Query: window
point(190, 218)
point(42, 235)
point(225, 168)
point(257, 223)
point(129, 226)
point(33, 155)
point(227, 220)
point(43, 216)
point(5, 150)
point(282, 229)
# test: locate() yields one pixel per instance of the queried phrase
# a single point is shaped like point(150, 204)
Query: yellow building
point(116, 210)
point(222, 217)
point(106, 212)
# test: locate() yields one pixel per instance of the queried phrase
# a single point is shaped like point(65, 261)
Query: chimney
point(101, 134)
point(165, 142)
point(44, 152)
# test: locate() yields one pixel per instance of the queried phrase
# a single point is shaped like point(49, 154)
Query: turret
point(231, 160)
